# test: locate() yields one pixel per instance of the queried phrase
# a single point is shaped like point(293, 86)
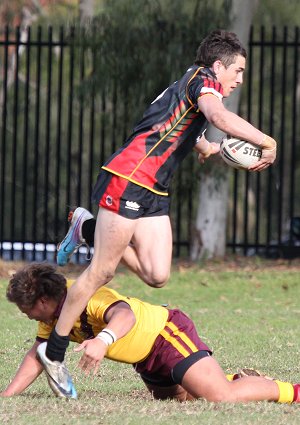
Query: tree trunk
point(210, 237)
point(86, 11)
point(210, 230)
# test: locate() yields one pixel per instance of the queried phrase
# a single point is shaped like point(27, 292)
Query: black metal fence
point(266, 206)
point(56, 130)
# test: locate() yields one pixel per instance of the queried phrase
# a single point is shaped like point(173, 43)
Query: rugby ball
point(238, 153)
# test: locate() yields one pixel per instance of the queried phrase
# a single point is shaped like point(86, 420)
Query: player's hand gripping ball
point(238, 153)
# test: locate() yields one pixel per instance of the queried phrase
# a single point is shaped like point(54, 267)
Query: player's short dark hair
point(33, 282)
point(219, 45)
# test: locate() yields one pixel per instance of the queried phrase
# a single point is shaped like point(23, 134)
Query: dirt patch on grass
point(8, 268)
point(240, 262)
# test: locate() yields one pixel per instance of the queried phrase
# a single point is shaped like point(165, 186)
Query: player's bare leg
point(112, 236)
point(206, 379)
point(150, 254)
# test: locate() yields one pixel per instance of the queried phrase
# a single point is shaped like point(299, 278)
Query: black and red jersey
point(166, 133)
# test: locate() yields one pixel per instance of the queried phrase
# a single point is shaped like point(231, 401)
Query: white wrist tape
point(107, 336)
point(200, 137)
point(267, 140)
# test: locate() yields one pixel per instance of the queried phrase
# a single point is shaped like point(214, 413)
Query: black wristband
point(56, 346)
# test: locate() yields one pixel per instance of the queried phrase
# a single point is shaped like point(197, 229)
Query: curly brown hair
point(33, 282)
point(219, 45)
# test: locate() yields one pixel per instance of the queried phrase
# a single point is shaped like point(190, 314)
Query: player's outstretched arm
point(232, 124)
point(27, 373)
point(120, 320)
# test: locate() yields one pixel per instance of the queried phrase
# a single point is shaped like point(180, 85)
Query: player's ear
point(43, 301)
point(216, 66)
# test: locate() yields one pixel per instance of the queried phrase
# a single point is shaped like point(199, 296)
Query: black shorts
point(128, 199)
point(177, 373)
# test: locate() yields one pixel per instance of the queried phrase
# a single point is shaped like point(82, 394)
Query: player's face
point(41, 311)
point(232, 76)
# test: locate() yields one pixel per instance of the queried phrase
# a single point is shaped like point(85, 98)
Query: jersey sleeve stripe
point(210, 90)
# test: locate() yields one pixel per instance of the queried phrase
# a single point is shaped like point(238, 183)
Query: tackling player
point(162, 344)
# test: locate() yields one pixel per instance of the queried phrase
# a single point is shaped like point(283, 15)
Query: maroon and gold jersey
point(166, 133)
point(136, 345)
point(158, 343)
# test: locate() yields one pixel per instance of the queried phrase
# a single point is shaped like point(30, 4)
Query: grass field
point(248, 313)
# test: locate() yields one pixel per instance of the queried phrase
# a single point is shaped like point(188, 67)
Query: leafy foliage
point(75, 96)
point(277, 13)
point(144, 50)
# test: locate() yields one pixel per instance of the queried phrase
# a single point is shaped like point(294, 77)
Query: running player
point(132, 187)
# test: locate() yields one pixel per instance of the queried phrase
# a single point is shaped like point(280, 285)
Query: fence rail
point(56, 129)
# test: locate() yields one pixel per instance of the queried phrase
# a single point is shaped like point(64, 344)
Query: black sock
point(88, 231)
point(56, 346)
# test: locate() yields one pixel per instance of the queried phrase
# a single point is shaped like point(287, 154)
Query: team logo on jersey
point(109, 200)
point(132, 205)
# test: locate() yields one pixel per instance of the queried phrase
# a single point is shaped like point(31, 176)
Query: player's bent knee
point(154, 284)
point(156, 280)
point(174, 392)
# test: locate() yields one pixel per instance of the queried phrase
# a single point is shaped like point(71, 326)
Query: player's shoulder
point(202, 82)
point(107, 292)
point(102, 299)
point(70, 282)
point(200, 73)
point(209, 79)
point(203, 77)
